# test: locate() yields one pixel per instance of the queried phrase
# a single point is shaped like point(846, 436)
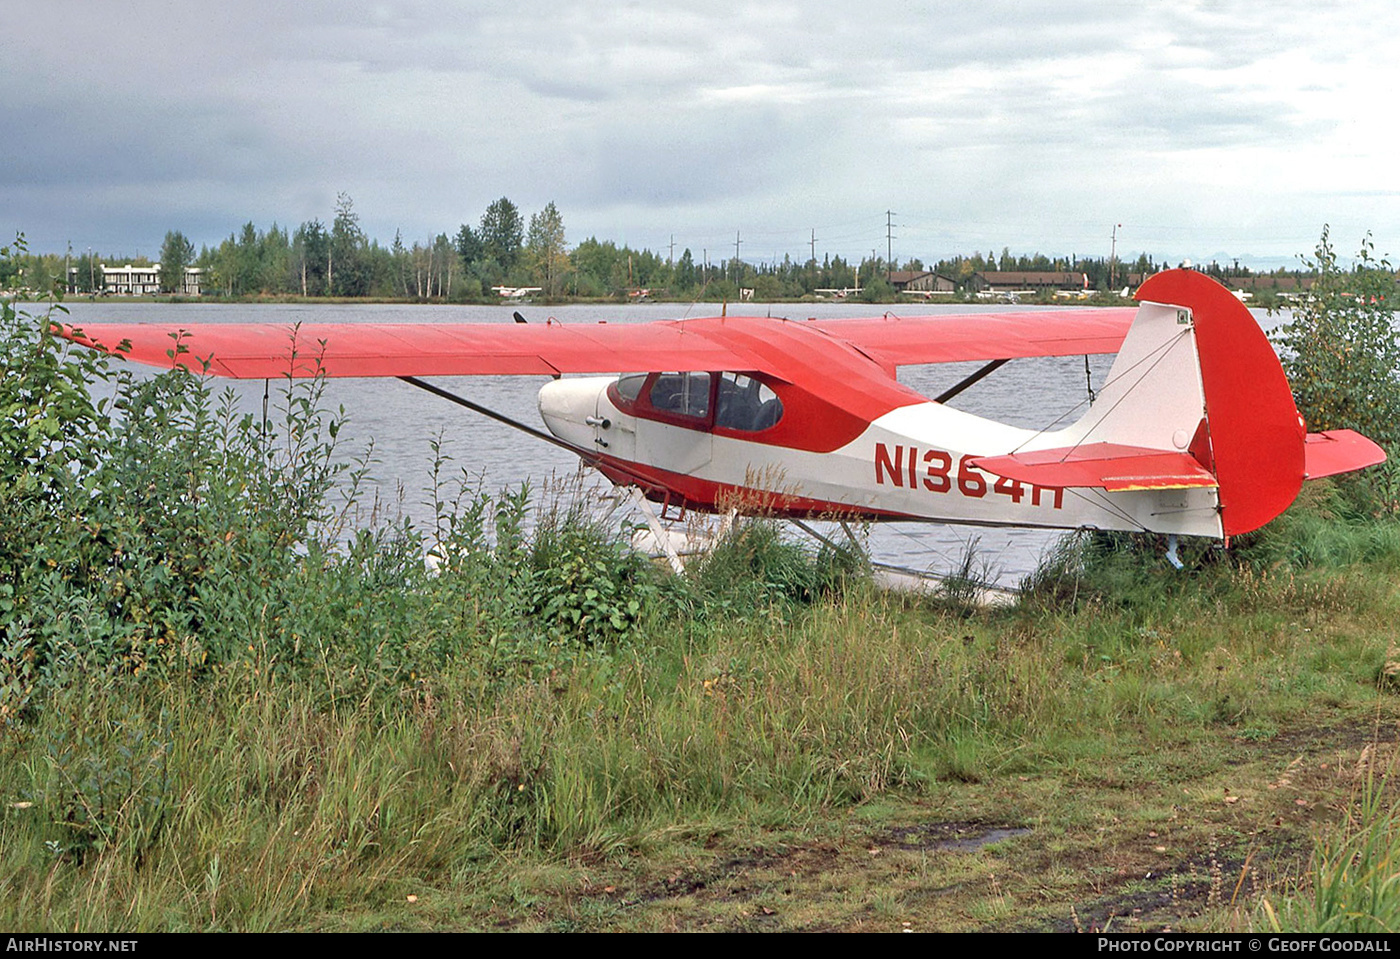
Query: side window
point(746, 404)
point(684, 394)
point(629, 385)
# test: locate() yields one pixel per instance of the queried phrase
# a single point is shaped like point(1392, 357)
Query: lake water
point(402, 421)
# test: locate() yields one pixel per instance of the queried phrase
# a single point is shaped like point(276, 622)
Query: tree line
point(503, 248)
point(341, 260)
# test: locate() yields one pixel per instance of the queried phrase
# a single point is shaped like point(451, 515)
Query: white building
point(138, 280)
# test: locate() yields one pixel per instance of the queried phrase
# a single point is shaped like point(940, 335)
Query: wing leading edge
point(259, 351)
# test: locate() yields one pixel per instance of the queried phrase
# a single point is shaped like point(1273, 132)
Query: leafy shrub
point(1340, 350)
point(583, 584)
point(753, 566)
point(127, 525)
point(1343, 360)
point(524, 588)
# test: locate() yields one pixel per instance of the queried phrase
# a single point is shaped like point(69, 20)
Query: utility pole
point(814, 245)
point(889, 243)
point(1113, 258)
point(672, 255)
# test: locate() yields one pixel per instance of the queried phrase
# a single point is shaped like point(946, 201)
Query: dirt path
point(1051, 852)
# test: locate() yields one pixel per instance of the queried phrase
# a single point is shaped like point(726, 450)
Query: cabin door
point(673, 448)
point(675, 435)
point(614, 432)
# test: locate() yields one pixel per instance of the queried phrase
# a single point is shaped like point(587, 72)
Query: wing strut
point(967, 381)
point(588, 456)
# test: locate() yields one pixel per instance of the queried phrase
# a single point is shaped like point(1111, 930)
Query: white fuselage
point(908, 464)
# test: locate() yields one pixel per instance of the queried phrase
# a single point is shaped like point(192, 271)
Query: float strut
point(1172, 545)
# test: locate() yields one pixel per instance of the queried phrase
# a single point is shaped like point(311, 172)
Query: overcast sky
point(1204, 128)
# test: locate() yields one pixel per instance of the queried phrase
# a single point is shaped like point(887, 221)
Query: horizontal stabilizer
point(1109, 466)
point(1338, 451)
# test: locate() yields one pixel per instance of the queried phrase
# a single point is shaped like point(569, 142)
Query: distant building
point(131, 280)
point(1261, 282)
point(1019, 281)
point(921, 281)
point(138, 280)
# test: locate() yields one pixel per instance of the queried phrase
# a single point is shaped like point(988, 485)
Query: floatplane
point(515, 292)
point(1194, 432)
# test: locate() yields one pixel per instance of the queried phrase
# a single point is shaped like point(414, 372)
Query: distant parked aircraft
point(515, 292)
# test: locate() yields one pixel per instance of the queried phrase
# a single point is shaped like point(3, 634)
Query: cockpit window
point(743, 404)
point(684, 394)
point(746, 404)
point(629, 385)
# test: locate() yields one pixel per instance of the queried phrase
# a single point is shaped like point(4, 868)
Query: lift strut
point(967, 381)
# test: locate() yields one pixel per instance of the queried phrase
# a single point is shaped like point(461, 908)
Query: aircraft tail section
point(1107, 466)
point(1339, 451)
point(1195, 398)
point(1253, 437)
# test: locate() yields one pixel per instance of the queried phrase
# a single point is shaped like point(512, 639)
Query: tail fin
point(1196, 397)
point(1253, 438)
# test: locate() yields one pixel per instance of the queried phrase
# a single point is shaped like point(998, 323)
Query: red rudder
point(1255, 432)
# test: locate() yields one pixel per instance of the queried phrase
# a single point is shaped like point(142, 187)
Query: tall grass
point(1353, 885)
point(267, 793)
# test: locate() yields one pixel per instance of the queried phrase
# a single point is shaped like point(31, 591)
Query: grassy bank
point(1203, 736)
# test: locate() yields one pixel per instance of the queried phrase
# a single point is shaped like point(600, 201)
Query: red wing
point(895, 341)
point(259, 351)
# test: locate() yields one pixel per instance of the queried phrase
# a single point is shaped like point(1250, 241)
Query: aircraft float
point(1194, 432)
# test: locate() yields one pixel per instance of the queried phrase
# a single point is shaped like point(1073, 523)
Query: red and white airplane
point(1195, 431)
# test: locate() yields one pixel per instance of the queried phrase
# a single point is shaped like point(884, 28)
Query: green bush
point(137, 532)
point(1342, 358)
point(583, 584)
point(1340, 350)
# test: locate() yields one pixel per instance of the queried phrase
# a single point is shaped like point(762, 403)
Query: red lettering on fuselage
point(898, 463)
point(884, 465)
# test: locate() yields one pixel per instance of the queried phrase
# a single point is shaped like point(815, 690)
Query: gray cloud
point(1034, 122)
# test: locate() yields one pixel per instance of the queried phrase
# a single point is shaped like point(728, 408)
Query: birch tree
point(545, 247)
